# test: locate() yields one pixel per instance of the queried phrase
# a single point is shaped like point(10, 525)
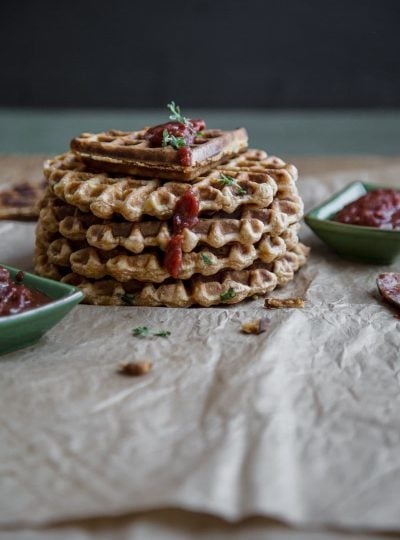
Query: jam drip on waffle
point(186, 215)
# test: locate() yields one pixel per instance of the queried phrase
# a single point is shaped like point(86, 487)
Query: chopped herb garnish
point(230, 293)
point(206, 259)
point(200, 134)
point(225, 180)
point(128, 299)
point(175, 142)
point(162, 333)
point(176, 114)
point(141, 331)
point(144, 331)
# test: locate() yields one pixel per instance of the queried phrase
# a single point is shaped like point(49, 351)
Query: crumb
point(135, 369)
point(257, 326)
point(272, 303)
point(20, 276)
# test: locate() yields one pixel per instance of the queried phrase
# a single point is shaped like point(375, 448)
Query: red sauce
point(185, 156)
point(186, 215)
point(389, 287)
point(189, 132)
point(379, 208)
point(173, 256)
point(16, 297)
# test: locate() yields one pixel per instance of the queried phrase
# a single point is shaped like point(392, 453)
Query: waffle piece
point(227, 287)
point(148, 266)
point(21, 200)
point(259, 161)
point(128, 152)
point(104, 195)
point(246, 226)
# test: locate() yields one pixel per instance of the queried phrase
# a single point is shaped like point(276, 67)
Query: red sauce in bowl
point(379, 208)
point(16, 297)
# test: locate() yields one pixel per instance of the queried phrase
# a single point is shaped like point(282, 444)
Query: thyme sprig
point(128, 299)
point(206, 259)
point(144, 331)
point(176, 114)
point(225, 180)
point(228, 295)
point(175, 142)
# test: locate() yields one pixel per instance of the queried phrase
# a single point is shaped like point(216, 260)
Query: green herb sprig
point(128, 299)
point(206, 259)
point(175, 142)
point(225, 180)
point(230, 293)
point(144, 331)
point(176, 115)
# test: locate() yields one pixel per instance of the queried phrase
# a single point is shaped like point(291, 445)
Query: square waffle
point(128, 152)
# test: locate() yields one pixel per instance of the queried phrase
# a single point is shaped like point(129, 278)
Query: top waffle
point(130, 153)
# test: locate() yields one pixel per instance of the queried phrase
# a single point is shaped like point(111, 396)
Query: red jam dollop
point(188, 132)
point(186, 215)
point(379, 208)
point(16, 297)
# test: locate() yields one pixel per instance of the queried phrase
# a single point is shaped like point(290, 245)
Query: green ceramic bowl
point(361, 244)
point(23, 329)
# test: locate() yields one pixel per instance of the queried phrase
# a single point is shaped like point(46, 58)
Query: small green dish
point(23, 329)
point(354, 242)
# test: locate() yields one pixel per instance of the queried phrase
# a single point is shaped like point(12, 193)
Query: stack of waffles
point(109, 217)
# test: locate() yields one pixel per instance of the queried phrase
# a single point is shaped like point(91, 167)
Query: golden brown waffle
point(226, 287)
point(259, 161)
point(128, 152)
point(104, 195)
point(21, 200)
point(246, 226)
point(148, 266)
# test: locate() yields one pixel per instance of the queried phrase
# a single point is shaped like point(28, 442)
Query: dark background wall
point(202, 53)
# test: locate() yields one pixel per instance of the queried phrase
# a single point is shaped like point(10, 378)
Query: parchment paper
point(300, 423)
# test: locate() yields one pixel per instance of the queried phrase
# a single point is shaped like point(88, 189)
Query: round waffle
point(247, 225)
point(226, 287)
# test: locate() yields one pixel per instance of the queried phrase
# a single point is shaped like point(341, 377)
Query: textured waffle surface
point(245, 226)
point(131, 153)
point(259, 161)
point(105, 195)
point(148, 266)
point(21, 200)
point(226, 287)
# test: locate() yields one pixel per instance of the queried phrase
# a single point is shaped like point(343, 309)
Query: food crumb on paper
point(135, 369)
point(257, 326)
point(275, 303)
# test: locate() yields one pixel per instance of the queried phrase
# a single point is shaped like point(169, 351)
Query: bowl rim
point(310, 217)
point(72, 295)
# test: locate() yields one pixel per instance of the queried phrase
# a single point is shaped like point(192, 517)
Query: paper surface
point(300, 423)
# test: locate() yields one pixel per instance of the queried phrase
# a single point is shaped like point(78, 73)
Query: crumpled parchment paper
point(300, 423)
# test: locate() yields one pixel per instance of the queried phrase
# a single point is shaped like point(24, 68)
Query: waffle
point(21, 200)
point(246, 226)
point(104, 195)
point(227, 287)
point(259, 161)
point(148, 266)
point(128, 152)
